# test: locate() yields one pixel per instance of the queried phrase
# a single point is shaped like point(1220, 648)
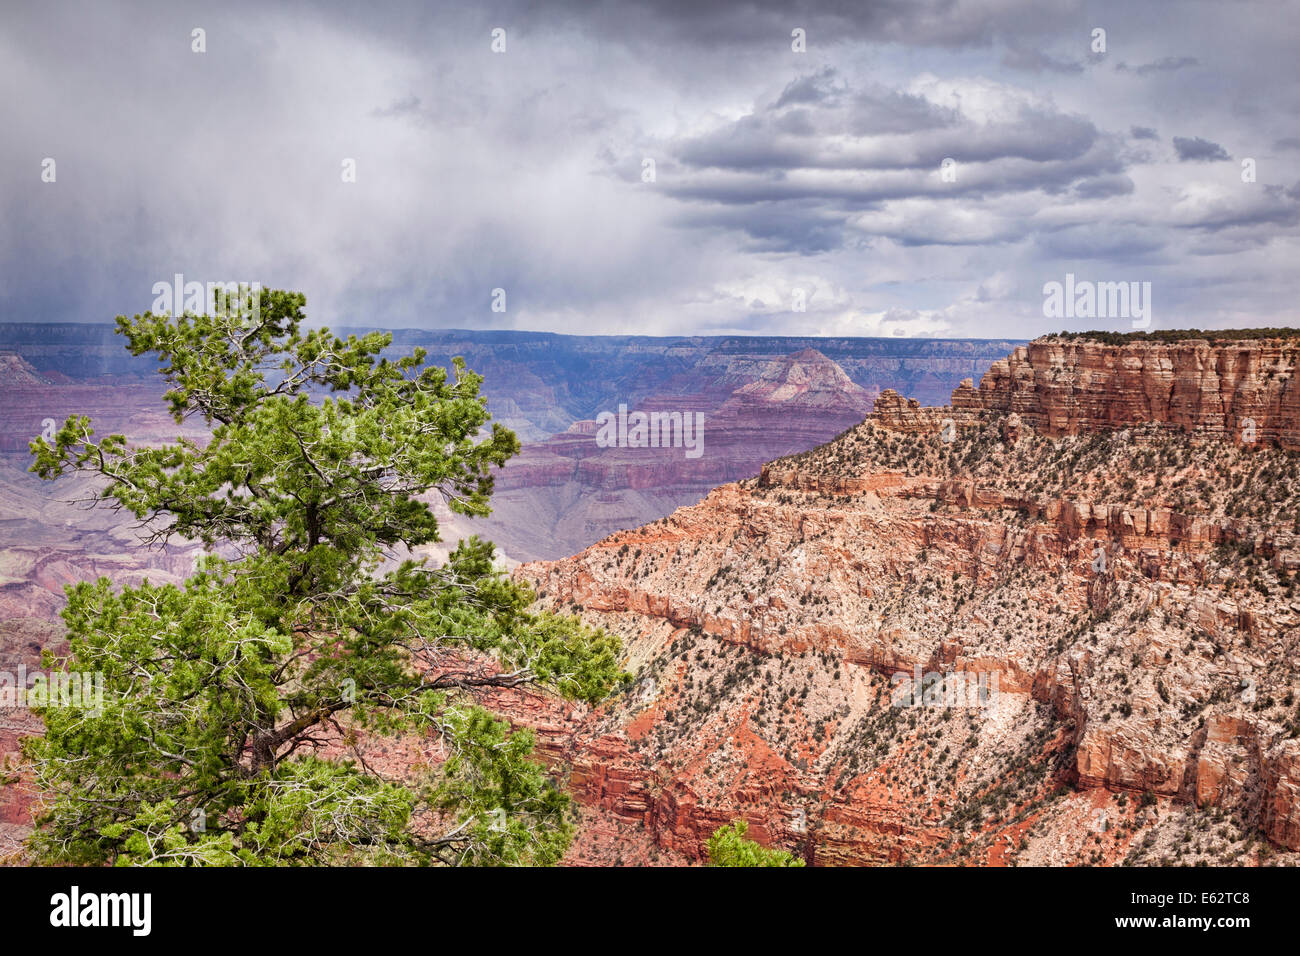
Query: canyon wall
point(1130, 586)
point(1068, 386)
point(540, 383)
point(561, 494)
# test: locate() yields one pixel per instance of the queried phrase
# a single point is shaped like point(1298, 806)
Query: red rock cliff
point(1066, 387)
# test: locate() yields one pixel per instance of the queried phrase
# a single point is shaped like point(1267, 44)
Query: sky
point(667, 168)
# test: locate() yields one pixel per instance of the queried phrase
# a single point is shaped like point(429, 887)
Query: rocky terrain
point(1096, 566)
point(560, 495)
point(1052, 622)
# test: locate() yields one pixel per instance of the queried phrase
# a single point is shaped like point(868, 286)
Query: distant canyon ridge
point(759, 398)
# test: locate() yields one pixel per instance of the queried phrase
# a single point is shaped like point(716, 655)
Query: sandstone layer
point(1069, 386)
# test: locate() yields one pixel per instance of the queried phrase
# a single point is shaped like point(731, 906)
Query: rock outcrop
point(1072, 386)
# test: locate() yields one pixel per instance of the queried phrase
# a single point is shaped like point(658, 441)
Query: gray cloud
point(815, 88)
point(1196, 149)
point(928, 134)
point(923, 23)
point(524, 170)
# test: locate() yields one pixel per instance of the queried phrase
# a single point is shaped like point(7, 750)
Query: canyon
point(559, 495)
point(1094, 533)
point(1064, 386)
point(762, 397)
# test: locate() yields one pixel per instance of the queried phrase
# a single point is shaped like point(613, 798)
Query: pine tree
point(309, 620)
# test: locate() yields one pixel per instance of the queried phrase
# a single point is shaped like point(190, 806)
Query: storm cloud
point(664, 167)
